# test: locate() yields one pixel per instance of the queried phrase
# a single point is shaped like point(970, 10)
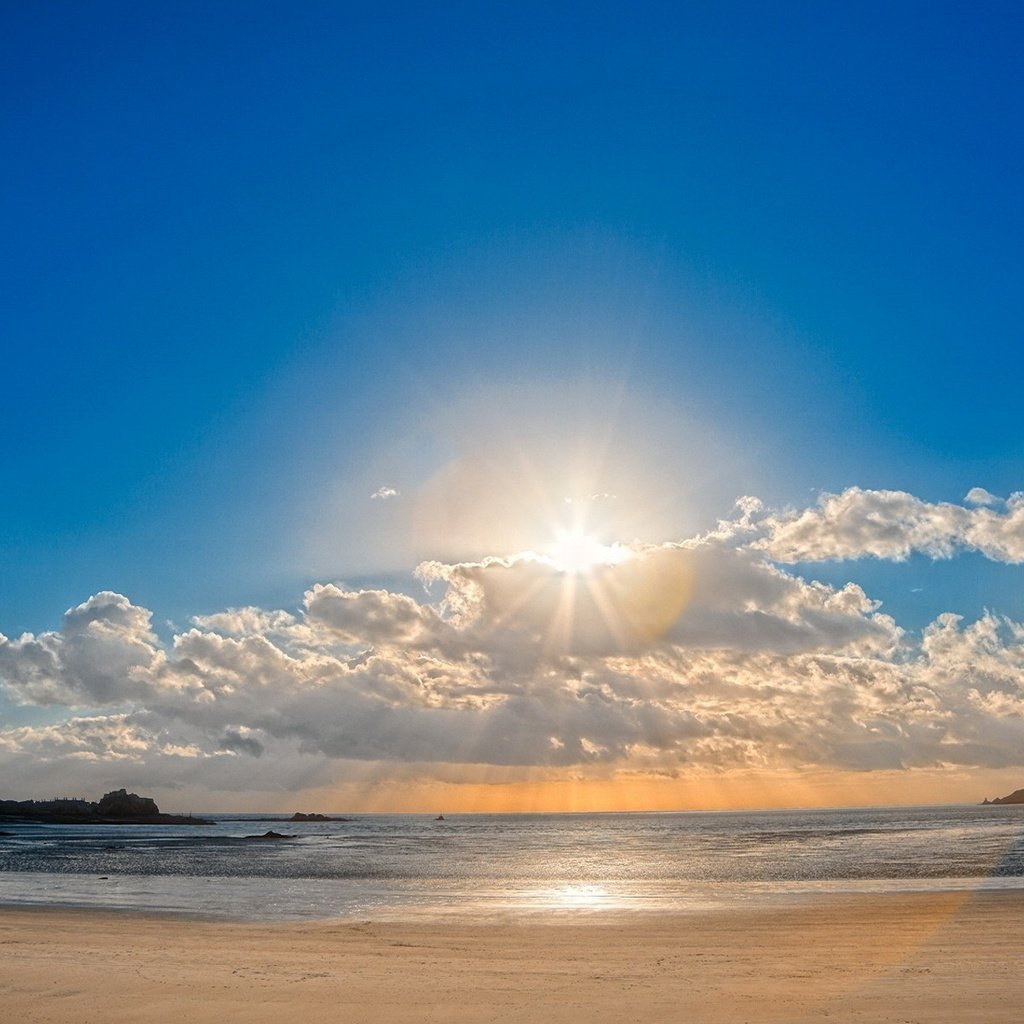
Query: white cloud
point(893, 525)
point(383, 493)
point(698, 595)
point(102, 654)
point(248, 621)
point(369, 616)
point(979, 496)
point(999, 536)
point(702, 654)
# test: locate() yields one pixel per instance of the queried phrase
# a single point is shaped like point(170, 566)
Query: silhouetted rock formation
point(271, 835)
point(299, 816)
point(122, 804)
point(1016, 797)
point(118, 807)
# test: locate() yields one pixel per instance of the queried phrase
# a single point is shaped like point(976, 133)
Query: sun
point(577, 552)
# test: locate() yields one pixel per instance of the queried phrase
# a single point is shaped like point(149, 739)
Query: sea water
point(492, 865)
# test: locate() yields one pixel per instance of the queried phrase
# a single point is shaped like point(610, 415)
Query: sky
point(520, 407)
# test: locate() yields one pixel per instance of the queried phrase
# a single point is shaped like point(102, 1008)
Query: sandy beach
point(907, 958)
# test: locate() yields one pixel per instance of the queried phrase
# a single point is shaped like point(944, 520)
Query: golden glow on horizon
point(379, 788)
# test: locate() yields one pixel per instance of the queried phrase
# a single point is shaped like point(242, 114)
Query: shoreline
point(946, 958)
point(345, 900)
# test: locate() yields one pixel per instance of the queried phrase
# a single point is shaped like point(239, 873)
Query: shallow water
point(510, 865)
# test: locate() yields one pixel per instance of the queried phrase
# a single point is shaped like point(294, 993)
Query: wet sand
point(908, 958)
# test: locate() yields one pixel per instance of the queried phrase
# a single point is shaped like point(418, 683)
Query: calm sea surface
point(409, 866)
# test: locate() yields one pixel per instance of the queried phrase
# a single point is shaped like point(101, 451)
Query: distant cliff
point(1016, 797)
point(118, 807)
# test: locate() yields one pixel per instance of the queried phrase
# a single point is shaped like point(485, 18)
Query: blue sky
point(260, 260)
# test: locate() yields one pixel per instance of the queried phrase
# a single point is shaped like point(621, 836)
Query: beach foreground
point(903, 958)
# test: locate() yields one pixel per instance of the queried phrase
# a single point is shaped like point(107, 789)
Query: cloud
point(383, 493)
point(702, 655)
point(979, 496)
point(705, 595)
point(999, 536)
point(954, 699)
point(103, 654)
point(893, 525)
point(241, 741)
point(248, 621)
point(370, 616)
point(93, 738)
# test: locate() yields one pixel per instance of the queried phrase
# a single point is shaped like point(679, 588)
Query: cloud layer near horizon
point(703, 655)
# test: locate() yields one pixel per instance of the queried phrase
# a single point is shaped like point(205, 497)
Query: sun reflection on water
point(579, 897)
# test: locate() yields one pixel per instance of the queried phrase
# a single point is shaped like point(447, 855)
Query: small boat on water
point(440, 817)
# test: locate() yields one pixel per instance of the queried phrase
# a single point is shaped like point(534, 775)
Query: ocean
point(494, 866)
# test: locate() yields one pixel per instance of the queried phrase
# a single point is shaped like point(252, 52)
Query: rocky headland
point(119, 807)
point(1016, 797)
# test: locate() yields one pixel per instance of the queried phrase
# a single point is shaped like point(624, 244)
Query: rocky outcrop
point(1016, 797)
point(124, 805)
point(272, 835)
point(299, 816)
point(119, 807)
